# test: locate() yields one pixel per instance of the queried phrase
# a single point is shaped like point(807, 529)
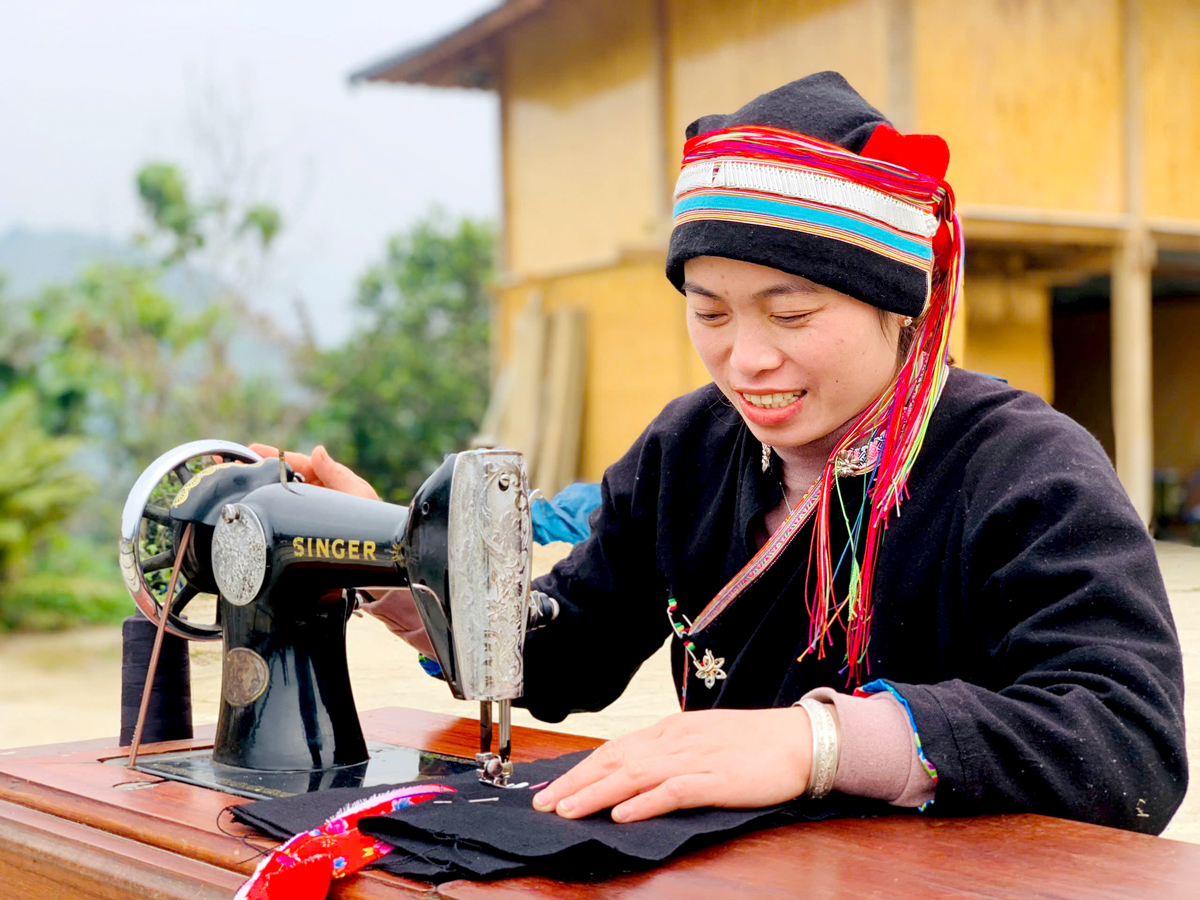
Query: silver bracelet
point(826, 748)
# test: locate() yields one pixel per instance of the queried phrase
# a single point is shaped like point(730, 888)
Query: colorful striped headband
point(863, 224)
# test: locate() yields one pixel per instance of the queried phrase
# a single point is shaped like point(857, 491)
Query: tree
point(118, 359)
point(106, 372)
point(411, 385)
point(39, 490)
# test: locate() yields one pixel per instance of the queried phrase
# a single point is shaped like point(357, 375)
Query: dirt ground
point(64, 687)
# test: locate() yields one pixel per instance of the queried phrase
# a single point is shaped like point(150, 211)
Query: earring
point(906, 321)
point(766, 457)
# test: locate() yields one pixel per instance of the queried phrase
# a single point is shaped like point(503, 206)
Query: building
point(1074, 128)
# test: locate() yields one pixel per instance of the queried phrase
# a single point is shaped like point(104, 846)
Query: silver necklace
point(786, 499)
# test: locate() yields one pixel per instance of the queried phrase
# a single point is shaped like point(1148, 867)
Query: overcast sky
point(89, 91)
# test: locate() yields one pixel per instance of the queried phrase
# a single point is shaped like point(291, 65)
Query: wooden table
point(73, 826)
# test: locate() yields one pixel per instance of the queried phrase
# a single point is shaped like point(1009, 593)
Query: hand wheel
point(149, 535)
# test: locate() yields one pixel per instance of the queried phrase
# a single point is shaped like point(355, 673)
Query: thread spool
point(169, 715)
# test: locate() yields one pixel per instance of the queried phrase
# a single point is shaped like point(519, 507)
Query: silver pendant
point(710, 669)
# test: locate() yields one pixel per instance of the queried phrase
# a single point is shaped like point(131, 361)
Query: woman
point(886, 577)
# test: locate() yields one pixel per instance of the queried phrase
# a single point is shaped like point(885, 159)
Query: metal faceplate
point(239, 554)
point(490, 535)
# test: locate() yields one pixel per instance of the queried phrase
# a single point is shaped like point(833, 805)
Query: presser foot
point(496, 771)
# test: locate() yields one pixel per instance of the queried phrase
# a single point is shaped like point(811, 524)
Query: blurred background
point(402, 228)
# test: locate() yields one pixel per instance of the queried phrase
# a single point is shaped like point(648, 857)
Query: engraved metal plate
point(244, 677)
point(490, 534)
point(239, 554)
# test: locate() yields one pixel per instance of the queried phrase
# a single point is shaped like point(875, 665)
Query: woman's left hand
point(719, 757)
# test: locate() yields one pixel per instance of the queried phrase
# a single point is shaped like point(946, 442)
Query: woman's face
point(796, 359)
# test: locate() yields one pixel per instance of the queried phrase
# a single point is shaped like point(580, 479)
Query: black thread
point(169, 714)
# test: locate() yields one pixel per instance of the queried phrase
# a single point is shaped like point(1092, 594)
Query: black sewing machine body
point(285, 559)
point(286, 697)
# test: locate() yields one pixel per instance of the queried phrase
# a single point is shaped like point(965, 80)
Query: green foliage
point(115, 357)
point(263, 219)
point(164, 194)
point(108, 371)
point(39, 489)
point(411, 386)
point(190, 226)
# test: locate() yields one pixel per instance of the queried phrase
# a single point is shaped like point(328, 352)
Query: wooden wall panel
point(723, 54)
point(1027, 94)
point(1171, 65)
point(578, 144)
point(1007, 332)
point(1020, 354)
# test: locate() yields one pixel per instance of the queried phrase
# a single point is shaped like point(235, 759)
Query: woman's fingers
point(604, 761)
point(631, 780)
point(679, 792)
point(321, 470)
point(333, 474)
point(300, 463)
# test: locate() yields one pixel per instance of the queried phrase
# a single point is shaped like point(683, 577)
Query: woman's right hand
point(322, 470)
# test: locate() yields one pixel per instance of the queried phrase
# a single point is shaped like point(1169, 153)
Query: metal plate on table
point(388, 764)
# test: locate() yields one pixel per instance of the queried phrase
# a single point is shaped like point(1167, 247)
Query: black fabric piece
point(425, 860)
point(1018, 606)
point(506, 824)
point(826, 107)
point(505, 836)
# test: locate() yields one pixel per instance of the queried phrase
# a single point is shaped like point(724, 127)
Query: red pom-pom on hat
point(924, 153)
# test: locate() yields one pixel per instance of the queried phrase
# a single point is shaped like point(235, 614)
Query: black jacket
point(1018, 606)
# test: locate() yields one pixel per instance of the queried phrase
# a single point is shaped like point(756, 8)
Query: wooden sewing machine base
point(73, 825)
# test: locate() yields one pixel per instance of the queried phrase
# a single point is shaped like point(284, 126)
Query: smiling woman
point(884, 577)
point(797, 360)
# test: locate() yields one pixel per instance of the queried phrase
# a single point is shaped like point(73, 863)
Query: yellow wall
point(1020, 354)
point(724, 54)
point(578, 109)
point(639, 354)
point(1171, 51)
point(1027, 94)
point(1007, 325)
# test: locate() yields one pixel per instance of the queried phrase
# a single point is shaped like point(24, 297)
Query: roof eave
point(466, 57)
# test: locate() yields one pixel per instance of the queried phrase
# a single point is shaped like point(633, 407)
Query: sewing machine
point(286, 560)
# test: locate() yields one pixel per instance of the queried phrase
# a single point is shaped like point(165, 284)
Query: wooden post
point(1131, 311)
point(1132, 370)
